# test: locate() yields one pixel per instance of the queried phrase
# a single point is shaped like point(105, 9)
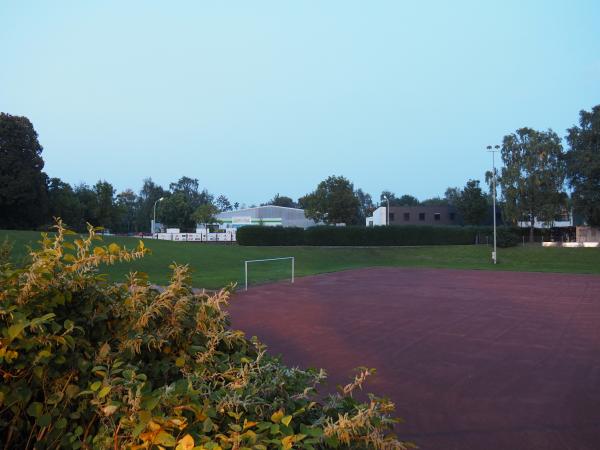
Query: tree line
point(534, 179)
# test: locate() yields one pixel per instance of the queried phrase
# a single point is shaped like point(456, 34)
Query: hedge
point(368, 236)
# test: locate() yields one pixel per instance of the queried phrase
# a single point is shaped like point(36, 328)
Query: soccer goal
point(268, 267)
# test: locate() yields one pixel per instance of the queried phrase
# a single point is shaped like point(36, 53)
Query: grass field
point(216, 265)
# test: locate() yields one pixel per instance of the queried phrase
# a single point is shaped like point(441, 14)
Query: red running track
point(472, 359)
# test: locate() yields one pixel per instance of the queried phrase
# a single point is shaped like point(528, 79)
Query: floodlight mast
point(387, 222)
point(154, 219)
point(493, 151)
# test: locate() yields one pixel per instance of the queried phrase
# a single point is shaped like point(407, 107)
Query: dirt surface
point(472, 359)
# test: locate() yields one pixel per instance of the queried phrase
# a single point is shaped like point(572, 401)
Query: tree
point(435, 201)
point(223, 204)
point(407, 200)
point(471, 203)
point(105, 211)
point(205, 214)
point(178, 208)
point(334, 201)
point(126, 204)
point(281, 200)
point(63, 203)
point(366, 204)
point(149, 194)
point(583, 165)
point(533, 176)
point(23, 199)
point(87, 201)
point(386, 196)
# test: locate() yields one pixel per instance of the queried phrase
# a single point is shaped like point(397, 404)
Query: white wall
point(379, 217)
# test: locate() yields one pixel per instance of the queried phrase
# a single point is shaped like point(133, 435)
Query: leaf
point(68, 257)
point(277, 416)
point(109, 409)
point(185, 443)
point(207, 426)
point(95, 385)
point(35, 409)
point(44, 421)
point(164, 438)
point(16, 329)
point(286, 420)
point(180, 362)
point(104, 391)
point(113, 248)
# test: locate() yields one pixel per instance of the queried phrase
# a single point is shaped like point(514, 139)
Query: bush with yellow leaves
point(90, 364)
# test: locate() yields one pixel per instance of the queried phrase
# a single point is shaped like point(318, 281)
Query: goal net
point(269, 269)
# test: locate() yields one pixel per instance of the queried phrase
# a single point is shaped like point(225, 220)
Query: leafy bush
point(354, 235)
point(91, 364)
point(507, 238)
point(262, 235)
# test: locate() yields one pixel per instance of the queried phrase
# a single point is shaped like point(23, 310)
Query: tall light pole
point(154, 220)
point(387, 222)
point(493, 151)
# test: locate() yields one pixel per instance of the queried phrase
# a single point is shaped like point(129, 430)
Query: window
point(391, 217)
point(421, 216)
point(452, 215)
point(370, 223)
point(437, 217)
point(406, 217)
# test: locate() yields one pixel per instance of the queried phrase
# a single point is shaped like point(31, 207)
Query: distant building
point(415, 215)
point(565, 219)
point(269, 215)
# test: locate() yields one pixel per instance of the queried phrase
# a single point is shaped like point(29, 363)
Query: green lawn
point(215, 265)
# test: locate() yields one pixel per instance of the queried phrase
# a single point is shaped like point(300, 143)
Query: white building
point(268, 215)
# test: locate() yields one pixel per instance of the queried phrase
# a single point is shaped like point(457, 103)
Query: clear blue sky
point(258, 97)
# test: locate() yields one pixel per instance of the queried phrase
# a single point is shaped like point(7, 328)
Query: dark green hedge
point(381, 235)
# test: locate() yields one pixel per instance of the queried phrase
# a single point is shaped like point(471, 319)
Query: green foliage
point(281, 200)
point(352, 236)
point(471, 203)
point(533, 175)
point(583, 165)
point(334, 201)
point(205, 214)
point(260, 235)
point(23, 198)
point(506, 237)
point(90, 364)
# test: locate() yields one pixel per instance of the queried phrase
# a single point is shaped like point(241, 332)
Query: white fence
point(228, 236)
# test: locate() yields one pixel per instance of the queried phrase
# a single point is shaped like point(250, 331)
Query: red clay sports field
point(472, 359)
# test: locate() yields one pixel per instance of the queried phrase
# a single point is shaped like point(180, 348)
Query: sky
point(255, 98)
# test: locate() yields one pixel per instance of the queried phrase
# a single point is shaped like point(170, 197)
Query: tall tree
point(63, 203)
point(126, 204)
point(179, 207)
point(148, 195)
point(223, 204)
point(334, 201)
point(106, 212)
point(23, 199)
point(366, 204)
point(533, 176)
point(583, 165)
point(471, 203)
point(281, 200)
point(87, 201)
point(206, 214)
point(407, 200)
point(436, 201)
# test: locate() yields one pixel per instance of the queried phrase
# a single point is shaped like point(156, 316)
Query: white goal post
point(269, 259)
